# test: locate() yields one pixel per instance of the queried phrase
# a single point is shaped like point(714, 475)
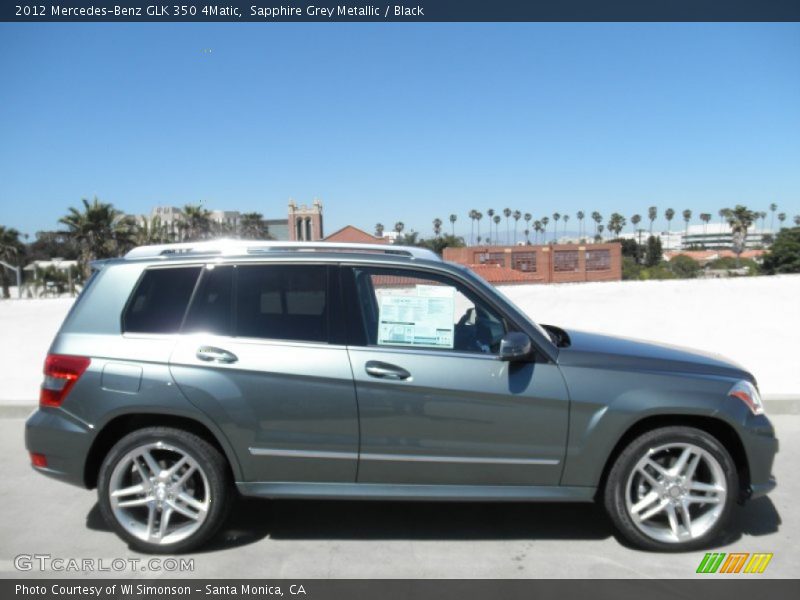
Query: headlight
point(747, 393)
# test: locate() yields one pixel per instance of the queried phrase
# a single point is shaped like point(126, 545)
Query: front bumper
point(761, 489)
point(761, 446)
point(63, 439)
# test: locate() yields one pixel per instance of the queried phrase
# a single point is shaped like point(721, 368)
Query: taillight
point(38, 460)
point(60, 374)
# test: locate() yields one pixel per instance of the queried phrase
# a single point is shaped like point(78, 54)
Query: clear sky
point(387, 122)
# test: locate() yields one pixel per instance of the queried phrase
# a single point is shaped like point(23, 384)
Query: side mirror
point(515, 345)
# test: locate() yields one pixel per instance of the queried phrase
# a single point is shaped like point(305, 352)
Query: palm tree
point(195, 222)
point(556, 219)
point(687, 216)
point(507, 214)
point(545, 221)
point(527, 233)
point(527, 217)
point(669, 214)
point(597, 218)
point(772, 208)
point(740, 219)
point(478, 217)
point(705, 218)
point(635, 220)
point(471, 215)
point(252, 226)
point(781, 219)
point(151, 231)
point(99, 231)
point(599, 235)
point(398, 227)
point(11, 250)
point(652, 214)
point(490, 212)
point(517, 216)
point(566, 218)
point(537, 228)
point(379, 228)
point(222, 228)
point(580, 216)
point(796, 219)
point(453, 219)
point(496, 220)
point(723, 212)
point(437, 227)
point(763, 215)
point(616, 223)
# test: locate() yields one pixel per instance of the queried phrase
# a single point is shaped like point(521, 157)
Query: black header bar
point(415, 11)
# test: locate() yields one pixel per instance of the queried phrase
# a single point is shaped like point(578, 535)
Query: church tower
point(305, 222)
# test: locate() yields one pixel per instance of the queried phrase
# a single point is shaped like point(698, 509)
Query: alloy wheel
point(676, 492)
point(159, 493)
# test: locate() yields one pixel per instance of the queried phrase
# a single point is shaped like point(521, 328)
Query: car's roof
point(232, 248)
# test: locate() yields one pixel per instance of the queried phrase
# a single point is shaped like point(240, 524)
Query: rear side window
point(159, 301)
point(212, 310)
point(284, 302)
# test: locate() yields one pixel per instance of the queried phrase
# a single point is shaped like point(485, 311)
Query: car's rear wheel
point(672, 489)
point(164, 490)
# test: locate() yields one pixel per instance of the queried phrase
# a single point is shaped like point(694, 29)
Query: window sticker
point(422, 316)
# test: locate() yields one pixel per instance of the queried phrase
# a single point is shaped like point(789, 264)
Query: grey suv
point(187, 373)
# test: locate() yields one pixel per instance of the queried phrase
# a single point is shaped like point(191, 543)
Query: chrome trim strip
point(302, 453)
point(285, 453)
point(458, 459)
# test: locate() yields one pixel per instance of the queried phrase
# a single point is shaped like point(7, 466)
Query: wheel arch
point(718, 428)
point(124, 424)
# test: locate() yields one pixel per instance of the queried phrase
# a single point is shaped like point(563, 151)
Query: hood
point(596, 350)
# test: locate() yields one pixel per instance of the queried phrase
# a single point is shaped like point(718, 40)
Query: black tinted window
point(160, 300)
point(285, 302)
point(211, 309)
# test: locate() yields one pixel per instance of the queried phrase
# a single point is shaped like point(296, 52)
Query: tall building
point(718, 236)
point(305, 222)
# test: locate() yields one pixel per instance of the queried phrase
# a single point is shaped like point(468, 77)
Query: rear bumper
point(63, 439)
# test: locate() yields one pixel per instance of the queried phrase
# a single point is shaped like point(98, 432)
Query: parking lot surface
point(313, 539)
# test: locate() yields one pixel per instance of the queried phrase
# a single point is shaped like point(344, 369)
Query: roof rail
point(228, 247)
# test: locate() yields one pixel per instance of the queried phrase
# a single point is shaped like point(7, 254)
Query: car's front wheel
point(672, 489)
point(164, 490)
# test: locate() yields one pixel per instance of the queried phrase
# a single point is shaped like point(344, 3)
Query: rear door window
point(283, 302)
point(212, 304)
point(159, 302)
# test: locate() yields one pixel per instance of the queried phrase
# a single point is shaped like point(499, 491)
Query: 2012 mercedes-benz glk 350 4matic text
point(185, 374)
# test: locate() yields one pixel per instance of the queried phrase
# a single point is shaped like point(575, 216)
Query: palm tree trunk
point(5, 282)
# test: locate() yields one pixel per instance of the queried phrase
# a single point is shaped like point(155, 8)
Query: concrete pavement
point(312, 539)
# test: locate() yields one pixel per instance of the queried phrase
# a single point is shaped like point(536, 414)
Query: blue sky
point(387, 122)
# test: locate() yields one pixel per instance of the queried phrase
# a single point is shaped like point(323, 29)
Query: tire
point(646, 478)
point(164, 490)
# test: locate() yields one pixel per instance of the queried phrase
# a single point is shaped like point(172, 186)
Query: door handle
point(384, 370)
point(212, 354)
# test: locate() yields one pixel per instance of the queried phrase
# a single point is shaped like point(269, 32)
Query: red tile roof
point(497, 274)
point(354, 235)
